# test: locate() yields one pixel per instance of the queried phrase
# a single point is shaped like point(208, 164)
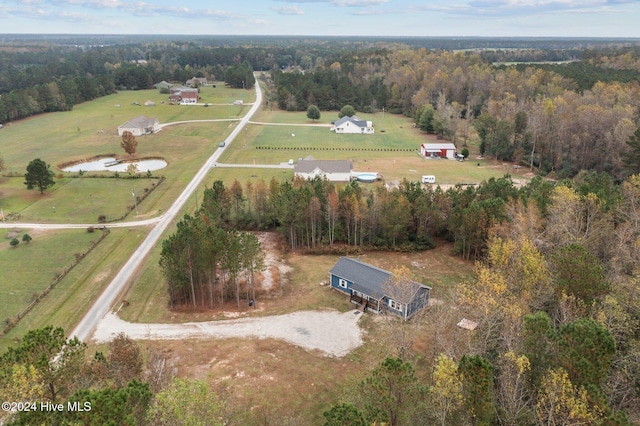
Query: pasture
point(30, 268)
point(91, 128)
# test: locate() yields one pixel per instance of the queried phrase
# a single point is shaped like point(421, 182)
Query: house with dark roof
point(332, 170)
point(139, 126)
point(371, 288)
point(353, 125)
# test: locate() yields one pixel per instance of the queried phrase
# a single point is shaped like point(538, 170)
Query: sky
point(481, 18)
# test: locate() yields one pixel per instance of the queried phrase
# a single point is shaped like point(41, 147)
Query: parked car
point(291, 162)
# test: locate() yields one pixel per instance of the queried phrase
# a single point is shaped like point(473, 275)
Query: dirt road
point(333, 333)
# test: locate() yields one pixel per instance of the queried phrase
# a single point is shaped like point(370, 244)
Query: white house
point(333, 170)
point(353, 125)
point(140, 126)
point(194, 82)
point(438, 150)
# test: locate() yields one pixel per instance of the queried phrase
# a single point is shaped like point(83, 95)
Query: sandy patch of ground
point(333, 333)
point(272, 259)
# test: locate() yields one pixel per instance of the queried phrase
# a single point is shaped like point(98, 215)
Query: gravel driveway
point(333, 333)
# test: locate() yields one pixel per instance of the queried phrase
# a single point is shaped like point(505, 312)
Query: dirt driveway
point(333, 333)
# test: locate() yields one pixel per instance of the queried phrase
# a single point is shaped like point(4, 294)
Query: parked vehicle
point(428, 179)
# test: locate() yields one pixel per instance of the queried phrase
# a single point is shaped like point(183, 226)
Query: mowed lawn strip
point(74, 294)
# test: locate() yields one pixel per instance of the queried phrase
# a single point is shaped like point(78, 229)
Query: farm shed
point(438, 150)
point(184, 95)
point(139, 126)
point(353, 125)
point(332, 170)
point(367, 286)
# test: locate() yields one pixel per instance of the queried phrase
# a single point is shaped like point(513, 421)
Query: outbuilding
point(438, 150)
point(369, 287)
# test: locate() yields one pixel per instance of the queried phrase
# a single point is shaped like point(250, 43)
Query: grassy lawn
point(50, 251)
point(91, 128)
point(383, 152)
point(184, 147)
point(73, 200)
point(29, 268)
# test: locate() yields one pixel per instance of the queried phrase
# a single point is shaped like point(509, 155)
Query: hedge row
point(307, 148)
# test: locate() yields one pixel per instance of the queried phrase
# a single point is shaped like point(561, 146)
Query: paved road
point(110, 295)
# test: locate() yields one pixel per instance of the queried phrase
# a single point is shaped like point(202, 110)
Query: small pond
point(109, 164)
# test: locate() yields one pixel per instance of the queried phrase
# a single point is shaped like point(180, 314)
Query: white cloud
point(97, 4)
point(525, 8)
point(349, 3)
point(288, 10)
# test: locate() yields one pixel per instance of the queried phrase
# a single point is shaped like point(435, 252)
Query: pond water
point(103, 164)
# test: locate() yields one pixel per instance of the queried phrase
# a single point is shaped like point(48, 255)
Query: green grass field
point(91, 128)
point(36, 264)
point(30, 268)
point(74, 200)
point(184, 147)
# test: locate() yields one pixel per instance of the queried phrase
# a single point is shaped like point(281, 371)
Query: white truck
point(428, 179)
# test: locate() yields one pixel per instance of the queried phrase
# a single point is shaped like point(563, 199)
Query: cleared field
point(393, 152)
point(74, 200)
point(184, 147)
point(31, 267)
point(91, 128)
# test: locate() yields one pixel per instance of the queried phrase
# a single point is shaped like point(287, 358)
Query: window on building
point(395, 305)
point(343, 283)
